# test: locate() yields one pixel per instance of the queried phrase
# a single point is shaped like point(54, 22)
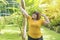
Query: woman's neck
point(34, 19)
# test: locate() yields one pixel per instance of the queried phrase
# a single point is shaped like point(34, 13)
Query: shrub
point(58, 29)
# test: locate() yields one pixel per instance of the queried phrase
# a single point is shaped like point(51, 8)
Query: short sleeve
point(29, 17)
point(41, 21)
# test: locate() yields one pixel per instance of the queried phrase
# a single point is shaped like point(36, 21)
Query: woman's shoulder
point(29, 17)
point(41, 20)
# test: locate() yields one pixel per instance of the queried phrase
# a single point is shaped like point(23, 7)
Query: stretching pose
point(35, 23)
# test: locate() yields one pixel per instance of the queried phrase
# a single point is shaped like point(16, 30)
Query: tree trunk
point(24, 22)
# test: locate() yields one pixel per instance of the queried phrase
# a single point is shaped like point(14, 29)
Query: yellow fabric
point(34, 30)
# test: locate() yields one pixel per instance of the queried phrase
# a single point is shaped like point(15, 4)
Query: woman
point(35, 23)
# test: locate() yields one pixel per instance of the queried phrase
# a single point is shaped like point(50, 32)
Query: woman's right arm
point(24, 12)
point(46, 19)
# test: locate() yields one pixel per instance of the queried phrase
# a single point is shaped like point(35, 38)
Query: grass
point(50, 35)
point(47, 34)
point(10, 37)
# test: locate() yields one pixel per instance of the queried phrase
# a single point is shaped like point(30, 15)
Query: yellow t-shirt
point(34, 30)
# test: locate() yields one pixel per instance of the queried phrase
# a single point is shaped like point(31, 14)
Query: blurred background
point(11, 18)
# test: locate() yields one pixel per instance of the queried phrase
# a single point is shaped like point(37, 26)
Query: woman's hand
point(24, 12)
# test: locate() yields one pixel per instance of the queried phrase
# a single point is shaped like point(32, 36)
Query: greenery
point(11, 17)
point(48, 34)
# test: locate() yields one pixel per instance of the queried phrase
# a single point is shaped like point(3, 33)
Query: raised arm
point(46, 19)
point(24, 12)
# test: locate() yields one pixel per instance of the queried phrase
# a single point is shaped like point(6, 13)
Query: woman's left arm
point(46, 19)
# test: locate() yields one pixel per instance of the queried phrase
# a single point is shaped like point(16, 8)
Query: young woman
point(35, 23)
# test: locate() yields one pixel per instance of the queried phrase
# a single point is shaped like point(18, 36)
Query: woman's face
point(34, 16)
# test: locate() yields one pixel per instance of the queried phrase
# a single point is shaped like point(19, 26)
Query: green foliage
point(49, 7)
point(58, 29)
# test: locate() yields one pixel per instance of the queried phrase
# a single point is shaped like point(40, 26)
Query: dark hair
point(38, 15)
